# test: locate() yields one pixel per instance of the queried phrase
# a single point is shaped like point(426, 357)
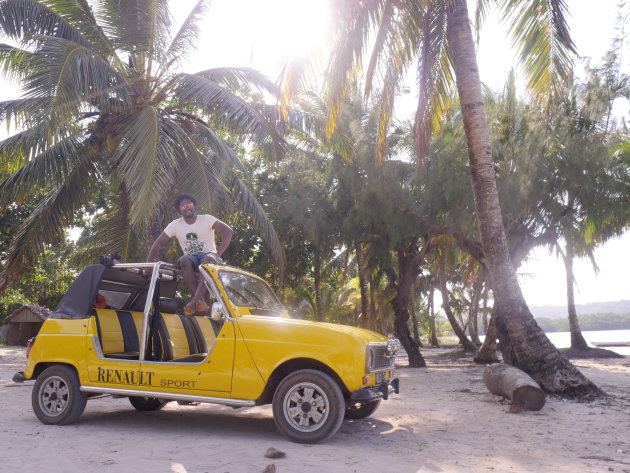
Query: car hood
point(297, 325)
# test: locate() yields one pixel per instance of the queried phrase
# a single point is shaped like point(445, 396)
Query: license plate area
point(381, 377)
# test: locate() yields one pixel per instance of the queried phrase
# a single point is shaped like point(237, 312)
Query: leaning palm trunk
point(522, 342)
point(474, 310)
point(408, 268)
point(457, 328)
point(577, 339)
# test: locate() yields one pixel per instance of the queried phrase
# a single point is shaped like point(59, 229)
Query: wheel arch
point(40, 367)
point(293, 365)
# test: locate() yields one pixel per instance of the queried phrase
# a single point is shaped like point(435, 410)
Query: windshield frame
point(275, 306)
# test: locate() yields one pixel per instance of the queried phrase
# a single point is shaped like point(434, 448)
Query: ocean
point(563, 339)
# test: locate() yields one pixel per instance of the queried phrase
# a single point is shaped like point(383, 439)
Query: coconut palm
point(106, 110)
point(437, 35)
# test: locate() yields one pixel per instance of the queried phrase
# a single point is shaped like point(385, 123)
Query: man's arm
point(226, 235)
point(156, 246)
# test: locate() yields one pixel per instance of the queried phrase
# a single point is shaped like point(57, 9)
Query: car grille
point(377, 358)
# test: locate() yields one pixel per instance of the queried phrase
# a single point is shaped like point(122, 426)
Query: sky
point(259, 34)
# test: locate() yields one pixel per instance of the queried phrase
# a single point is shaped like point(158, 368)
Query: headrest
point(168, 305)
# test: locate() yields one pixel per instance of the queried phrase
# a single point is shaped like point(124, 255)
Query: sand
point(444, 420)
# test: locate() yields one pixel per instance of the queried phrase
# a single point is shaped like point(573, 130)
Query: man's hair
point(180, 197)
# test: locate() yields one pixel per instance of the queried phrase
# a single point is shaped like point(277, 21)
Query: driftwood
point(508, 381)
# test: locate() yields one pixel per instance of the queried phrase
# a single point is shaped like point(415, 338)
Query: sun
point(257, 33)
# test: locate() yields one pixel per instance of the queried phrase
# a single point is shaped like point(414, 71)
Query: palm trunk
point(412, 311)
point(408, 269)
point(433, 340)
point(577, 339)
point(317, 279)
point(457, 328)
point(488, 351)
point(522, 342)
point(474, 310)
point(366, 315)
point(373, 310)
point(484, 316)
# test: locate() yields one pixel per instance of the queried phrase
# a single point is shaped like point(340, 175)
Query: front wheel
point(308, 406)
point(57, 397)
point(361, 410)
point(147, 403)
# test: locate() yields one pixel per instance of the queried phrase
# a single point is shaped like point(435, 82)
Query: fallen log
point(508, 381)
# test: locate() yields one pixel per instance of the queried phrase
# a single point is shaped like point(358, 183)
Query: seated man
point(195, 234)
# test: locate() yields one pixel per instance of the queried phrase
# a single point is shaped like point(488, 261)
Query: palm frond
point(238, 79)
point(48, 169)
point(140, 27)
point(21, 19)
point(356, 21)
point(79, 14)
point(73, 75)
point(225, 108)
point(47, 222)
point(540, 34)
point(15, 63)
point(146, 162)
point(184, 41)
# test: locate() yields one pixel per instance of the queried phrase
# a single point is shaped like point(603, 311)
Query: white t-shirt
point(196, 237)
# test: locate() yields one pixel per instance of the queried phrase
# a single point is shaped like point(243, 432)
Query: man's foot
point(190, 308)
point(201, 306)
point(196, 307)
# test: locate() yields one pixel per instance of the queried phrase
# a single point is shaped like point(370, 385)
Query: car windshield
point(245, 290)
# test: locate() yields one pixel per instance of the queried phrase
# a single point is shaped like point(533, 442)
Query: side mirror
point(216, 312)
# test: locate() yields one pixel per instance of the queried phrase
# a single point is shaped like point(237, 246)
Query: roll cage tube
point(155, 274)
point(217, 294)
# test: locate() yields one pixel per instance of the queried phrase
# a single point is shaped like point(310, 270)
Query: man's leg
point(188, 273)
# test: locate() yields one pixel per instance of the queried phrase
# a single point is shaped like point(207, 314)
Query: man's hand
point(211, 258)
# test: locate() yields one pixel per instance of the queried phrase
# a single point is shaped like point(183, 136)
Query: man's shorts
point(196, 259)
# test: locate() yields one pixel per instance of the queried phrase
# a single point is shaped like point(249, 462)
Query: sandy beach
point(444, 420)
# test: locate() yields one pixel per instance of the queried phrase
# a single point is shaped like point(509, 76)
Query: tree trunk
point(474, 310)
point(412, 310)
point(577, 339)
point(485, 317)
point(373, 307)
point(433, 340)
point(408, 269)
point(317, 279)
point(459, 331)
point(488, 351)
point(522, 342)
point(366, 313)
point(507, 381)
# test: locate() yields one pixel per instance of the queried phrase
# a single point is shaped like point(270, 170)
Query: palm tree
point(438, 35)
point(105, 110)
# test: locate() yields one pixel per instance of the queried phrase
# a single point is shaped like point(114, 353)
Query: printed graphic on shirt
point(193, 245)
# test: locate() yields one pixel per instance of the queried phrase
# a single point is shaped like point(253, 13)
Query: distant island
point(614, 315)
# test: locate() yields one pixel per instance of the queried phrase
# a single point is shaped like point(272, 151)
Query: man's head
point(185, 205)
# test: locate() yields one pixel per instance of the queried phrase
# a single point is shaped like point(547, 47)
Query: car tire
point(361, 410)
point(316, 421)
point(147, 403)
point(57, 398)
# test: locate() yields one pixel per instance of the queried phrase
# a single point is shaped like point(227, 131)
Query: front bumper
point(382, 391)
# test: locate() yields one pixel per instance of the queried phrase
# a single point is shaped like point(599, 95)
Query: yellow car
point(246, 352)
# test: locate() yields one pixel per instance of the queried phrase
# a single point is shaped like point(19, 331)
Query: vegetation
point(588, 322)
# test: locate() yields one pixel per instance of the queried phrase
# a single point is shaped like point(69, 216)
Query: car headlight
point(392, 347)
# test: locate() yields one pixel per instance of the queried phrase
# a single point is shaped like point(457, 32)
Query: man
point(195, 234)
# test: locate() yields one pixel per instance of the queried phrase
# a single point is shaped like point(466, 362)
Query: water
point(563, 339)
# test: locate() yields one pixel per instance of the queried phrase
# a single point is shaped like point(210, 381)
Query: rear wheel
point(57, 397)
point(147, 403)
point(360, 410)
point(308, 406)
